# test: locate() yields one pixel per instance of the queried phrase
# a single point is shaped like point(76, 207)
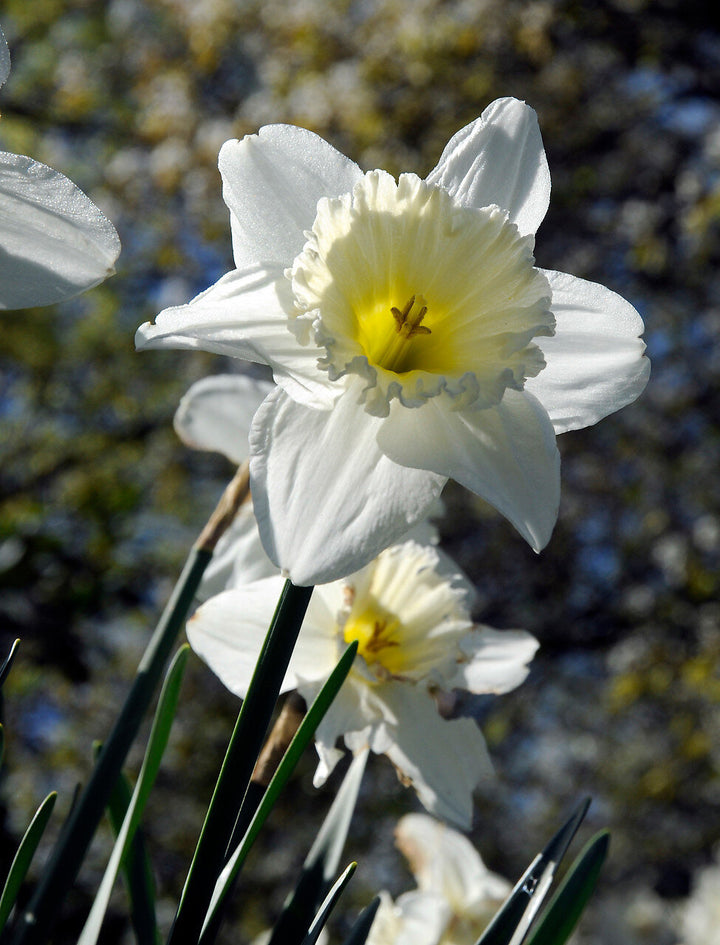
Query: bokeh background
point(132, 100)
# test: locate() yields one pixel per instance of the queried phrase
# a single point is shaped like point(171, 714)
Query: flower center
point(421, 295)
point(393, 352)
point(379, 634)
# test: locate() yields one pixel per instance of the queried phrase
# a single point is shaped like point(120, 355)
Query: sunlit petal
point(499, 159)
point(595, 362)
point(493, 660)
point(272, 182)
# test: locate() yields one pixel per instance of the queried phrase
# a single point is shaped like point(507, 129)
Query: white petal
point(499, 159)
point(242, 316)
point(239, 557)
point(445, 862)
point(272, 182)
point(228, 631)
point(216, 412)
point(326, 499)
point(234, 317)
point(497, 660)
point(444, 760)
point(355, 714)
point(417, 918)
point(595, 362)
point(54, 241)
point(317, 653)
point(506, 454)
point(4, 59)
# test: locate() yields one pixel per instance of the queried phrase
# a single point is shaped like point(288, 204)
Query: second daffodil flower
point(456, 895)
point(408, 610)
point(411, 336)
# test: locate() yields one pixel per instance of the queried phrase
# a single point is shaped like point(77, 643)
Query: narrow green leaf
point(328, 905)
point(361, 929)
point(7, 664)
point(2, 744)
point(557, 922)
point(297, 746)
point(322, 861)
point(157, 742)
point(23, 857)
point(69, 852)
point(136, 868)
point(510, 924)
point(240, 757)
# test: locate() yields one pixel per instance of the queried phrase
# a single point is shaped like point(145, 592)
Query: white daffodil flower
point(54, 241)
point(215, 415)
point(411, 336)
point(408, 610)
point(457, 894)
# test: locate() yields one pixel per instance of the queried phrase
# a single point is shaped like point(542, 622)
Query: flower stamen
point(393, 355)
point(409, 326)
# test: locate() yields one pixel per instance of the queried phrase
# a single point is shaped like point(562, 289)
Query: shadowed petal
point(326, 499)
point(499, 159)
point(505, 454)
point(216, 412)
point(227, 632)
point(443, 760)
point(54, 241)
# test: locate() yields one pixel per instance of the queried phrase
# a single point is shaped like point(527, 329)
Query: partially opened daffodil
point(54, 241)
point(408, 611)
point(411, 336)
point(457, 894)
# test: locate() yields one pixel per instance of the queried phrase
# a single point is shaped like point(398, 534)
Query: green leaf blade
point(567, 905)
point(157, 742)
point(301, 740)
point(23, 857)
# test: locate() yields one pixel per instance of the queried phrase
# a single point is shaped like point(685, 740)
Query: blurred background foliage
point(132, 99)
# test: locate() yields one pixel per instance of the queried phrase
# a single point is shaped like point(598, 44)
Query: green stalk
point(34, 924)
point(242, 752)
point(64, 864)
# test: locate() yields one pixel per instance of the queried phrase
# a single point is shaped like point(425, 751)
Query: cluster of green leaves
point(218, 859)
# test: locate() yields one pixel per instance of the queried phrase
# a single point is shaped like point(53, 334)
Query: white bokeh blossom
point(411, 336)
point(409, 611)
point(700, 914)
point(456, 895)
point(54, 241)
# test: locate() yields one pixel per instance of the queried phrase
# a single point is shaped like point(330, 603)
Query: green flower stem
point(64, 864)
point(242, 752)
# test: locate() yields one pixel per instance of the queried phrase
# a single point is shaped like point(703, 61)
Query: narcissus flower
point(408, 610)
point(411, 336)
point(54, 241)
point(215, 415)
point(457, 894)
